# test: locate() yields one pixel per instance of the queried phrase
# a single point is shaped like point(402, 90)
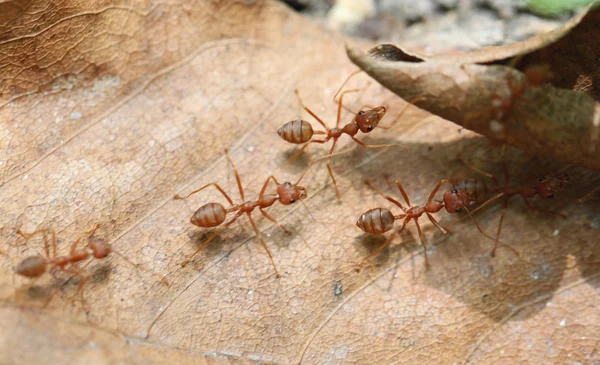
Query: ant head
point(368, 119)
point(290, 193)
point(32, 267)
point(455, 200)
point(100, 247)
point(548, 186)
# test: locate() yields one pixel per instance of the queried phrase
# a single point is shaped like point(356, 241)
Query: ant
point(545, 186)
point(464, 193)
point(213, 214)
point(36, 266)
point(535, 76)
point(366, 120)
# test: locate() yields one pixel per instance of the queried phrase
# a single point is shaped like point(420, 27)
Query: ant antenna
point(346, 81)
point(161, 277)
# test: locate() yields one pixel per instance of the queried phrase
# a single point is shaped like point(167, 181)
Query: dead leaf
point(559, 120)
point(108, 110)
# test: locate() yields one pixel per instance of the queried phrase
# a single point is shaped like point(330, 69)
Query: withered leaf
point(108, 109)
point(488, 92)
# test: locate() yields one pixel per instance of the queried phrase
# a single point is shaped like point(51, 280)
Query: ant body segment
point(214, 214)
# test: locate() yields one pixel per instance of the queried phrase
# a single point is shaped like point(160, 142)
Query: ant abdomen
point(474, 187)
point(32, 267)
point(209, 215)
point(297, 131)
point(376, 221)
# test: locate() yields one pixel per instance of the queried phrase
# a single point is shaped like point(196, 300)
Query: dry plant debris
point(110, 108)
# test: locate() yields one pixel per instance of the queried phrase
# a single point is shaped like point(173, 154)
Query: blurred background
point(432, 25)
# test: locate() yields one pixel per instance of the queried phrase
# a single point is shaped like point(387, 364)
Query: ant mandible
point(36, 266)
point(366, 120)
point(214, 214)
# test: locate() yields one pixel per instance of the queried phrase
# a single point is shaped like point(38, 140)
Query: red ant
point(213, 214)
point(380, 220)
point(366, 120)
point(36, 266)
point(535, 76)
point(545, 186)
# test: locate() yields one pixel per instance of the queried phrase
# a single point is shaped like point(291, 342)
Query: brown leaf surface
point(559, 120)
point(109, 109)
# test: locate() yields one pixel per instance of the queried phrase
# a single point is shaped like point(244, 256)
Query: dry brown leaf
point(108, 110)
point(559, 120)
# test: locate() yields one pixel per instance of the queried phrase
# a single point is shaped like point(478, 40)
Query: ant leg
point(494, 179)
point(387, 197)
point(435, 223)
point(588, 196)
point(504, 207)
point(309, 111)
point(404, 109)
point(74, 246)
point(45, 232)
point(92, 231)
point(299, 152)
point(422, 239)
point(263, 243)
point(345, 81)
point(470, 215)
point(437, 187)
point(403, 192)
point(237, 176)
point(83, 278)
point(505, 165)
point(377, 145)
point(87, 233)
point(328, 163)
point(160, 277)
point(339, 111)
point(262, 191)
point(387, 242)
point(177, 196)
point(209, 239)
point(535, 211)
point(268, 216)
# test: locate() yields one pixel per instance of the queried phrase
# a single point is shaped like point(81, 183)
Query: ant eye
point(288, 183)
point(454, 191)
point(550, 196)
point(292, 200)
point(542, 178)
point(361, 112)
point(459, 210)
point(370, 128)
